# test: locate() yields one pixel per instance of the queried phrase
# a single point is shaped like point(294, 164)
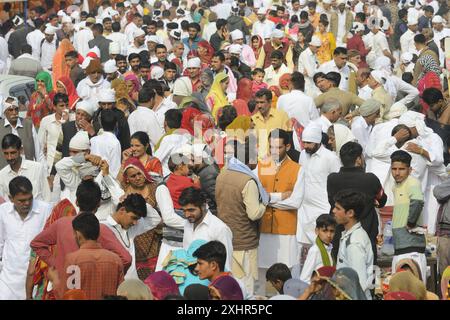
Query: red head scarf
point(326, 272)
point(209, 54)
point(161, 285)
point(399, 295)
point(71, 92)
point(244, 90)
point(135, 163)
point(187, 122)
point(228, 288)
point(284, 81)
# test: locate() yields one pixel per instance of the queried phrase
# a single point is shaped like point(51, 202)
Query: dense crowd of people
point(225, 150)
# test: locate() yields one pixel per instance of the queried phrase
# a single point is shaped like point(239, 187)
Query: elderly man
point(23, 128)
point(262, 27)
point(376, 40)
point(25, 64)
point(247, 54)
point(379, 93)
point(90, 87)
point(330, 112)
point(439, 30)
point(138, 43)
point(276, 44)
point(340, 23)
point(308, 65)
point(407, 39)
point(111, 71)
point(363, 124)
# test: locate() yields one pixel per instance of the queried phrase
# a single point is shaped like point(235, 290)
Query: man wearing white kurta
point(90, 87)
point(338, 64)
point(263, 27)
point(317, 163)
point(308, 65)
point(297, 104)
point(407, 39)
point(20, 221)
point(363, 124)
point(48, 48)
point(34, 39)
point(133, 218)
point(145, 119)
point(247, 54)
point(330, 111)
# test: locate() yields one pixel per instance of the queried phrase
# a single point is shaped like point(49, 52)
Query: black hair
point(133, 56)
point(173, 118)
point(38, 23)
point(264, 93)
point(160, 46)
point(324, 20)
point(108, 120)
point(144, 55)
point(116, 26)
point(432, 96)
point(213, 251)
point(398, 127)
point(196, 291)
point(229, 113)
point(340, 50)
point(325, 220)
point(184, 24)
point(304, 15)
point(11, 141)
point(145, 64)
point(87, 224)
point(145, 95)
point(258, 70)
point(60, 97)
point(143, 138)
point(429, 9)
point(106, 19)
point(195, 26)
point(278, 271)
point(154, 85)
point(120, 57)
point(407, 77)
point(88, 196)
point(71, 54)
point(251, 105)
point(319, 75)
point(193, 196)
point(334, 77)
point(134, 203)
point(170, 66)
point(26, 48)
point(235, 62)
point(351, 200)
point(298, 81)
point(401, 156)
point(420, 38)
point(280, 134)
point(402, 13)
point(18, 185)
point(277, 54)
point(361, 16)
point(312, 4)
point(98, 27)
point(152, 23)
point(349, 152)
point(219, 55)
point(220, 23)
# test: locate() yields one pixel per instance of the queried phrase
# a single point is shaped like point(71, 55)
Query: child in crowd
point(257, 80)
point(277, 275)
point(320, 253)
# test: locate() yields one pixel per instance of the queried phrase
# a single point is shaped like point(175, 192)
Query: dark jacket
point(17, 39)
point(367, 183)
point(433, 47)
point(237, 23)
point(103, 44)
point(208, 177)
point(69, 130)
point(76, 75)
point(122, 131)
point(216, 41)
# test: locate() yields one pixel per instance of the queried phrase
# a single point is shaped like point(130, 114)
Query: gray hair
point(329, 105)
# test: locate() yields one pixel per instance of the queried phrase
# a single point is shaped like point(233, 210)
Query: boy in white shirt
point(320, 253)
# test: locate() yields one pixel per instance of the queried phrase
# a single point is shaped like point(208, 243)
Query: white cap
point(358, 26)
point(138, 33)
point(303, 2)
point(114, 48)
point(406, 57)
point(176, 34)
point(107, 95)
point(413, 21)
point(75, 15)
point(66, 19)
point(50, 30)
point(80, 141)
point(127, 4)
point(237, 34)
point(113, 13)
point(7, 105)
point(277, 33)
point(339, 2)
point(386, 23)
point(61, 13)
point(194, 63)
point(95, 50)
point(379, 76)
point(235, 48)
point(86, 106)
point(110, 66)
point(261, 11)
point(312, 133)
point(153, 38)
point(86, 63)
point(134, 1)
point(156, 73)
point(326, 1)
point(437, 19)
point(315, 41)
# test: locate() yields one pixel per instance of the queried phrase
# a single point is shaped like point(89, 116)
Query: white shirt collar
point(351, 230)
point(207, 219)
point(18, 125)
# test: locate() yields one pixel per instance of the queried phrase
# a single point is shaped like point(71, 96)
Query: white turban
point(358, 26)
point(66, 19)
point(235, 48)
point(312, 133)
point(396, 110)
point(236, 35)
point(315, 41)
point(61, 13)
point(107, 95)
point(370, 106)
point(383, 63)
point(406, 57)
point(277, 33)
point(85, 106)
point(110, 66)
point(86, 63)
point(138, 33)
point(342, 135)
point(154, 39)
point(413, 119)
point(156, 73)
point(96, 51)
point(379, 76)
point(194, 63)
point(437, 19)
point(261, 11)
point(114, 48)
point(176, 34)
point(80, 141)
point(182, 87)
point(413, 21)
point(50, 30)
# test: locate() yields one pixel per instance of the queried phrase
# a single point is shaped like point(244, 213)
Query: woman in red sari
point(133, 86)
point(65, 85)
point(429, 78)
point(141, 149)
point(41, 101)
point(243, 95)
point(205, 52)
